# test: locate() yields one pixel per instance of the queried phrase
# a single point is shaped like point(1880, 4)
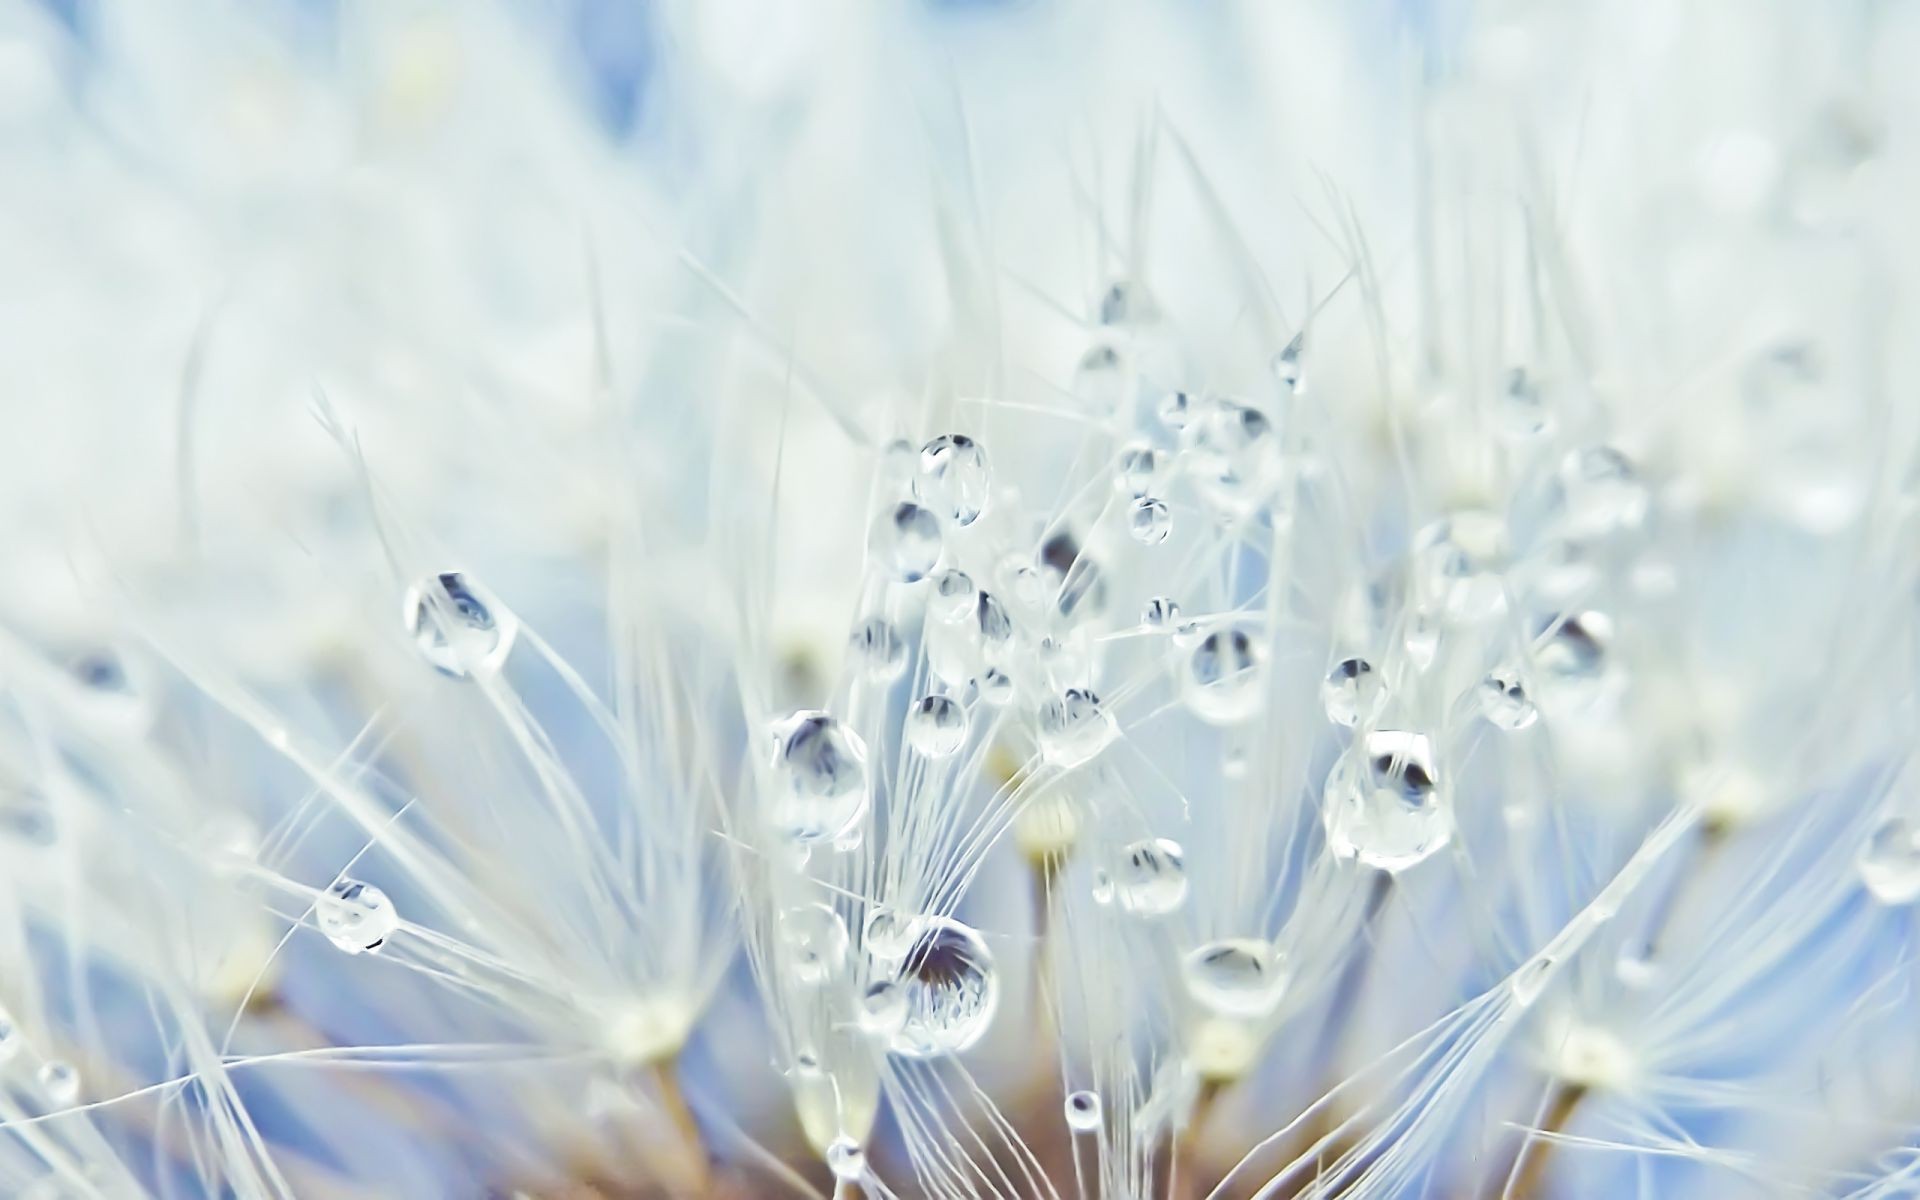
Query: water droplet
point(1103, 380)
point(1352, 692)
point(1073, 727)
point(1149, 521)
point(1522, 408)
point(457, 625)
point(1530, 980)
point(1459, 561)
point(357, 917)
point(1570, 655)
point(1235, 457)
point(1102, 886)
point(1383, 804)
point(1601, 494)
point(954, 478)
point(820, 777)
point(816, 941)
point(936, 726)
point(59, 1081)
point(877, 649)
point(1083, 1111)
point(995, 687)
point(1160, 613)
point(952, 990)
point(1150, 878)
point(1223, 677)
point(1286, 364)
point(1139, 471)
point(1126, 303)
point(1176, 410)
point(890, 934)
point(1890, 862)
point(846, 1160)
point(953, 596)
point(1235, 977)
point(1503, 700)
point(905, 541)
point(883, 1009)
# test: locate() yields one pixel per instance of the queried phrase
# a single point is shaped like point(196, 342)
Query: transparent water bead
point(953, 596)
point(936, 726)
point(1139, 471)
point(1570, 656)
point(816, 942)
point(1234, 977)
point(357, 917)
point(59, 1082)
point(820, 785)
point(877, 648)
point(1176, 410)
point(1383, 804)
point(1459, 561)
point(1127, 303)
point(1150, 877)
point(1520, 410)
point(1235, 457)
point(846, 1160)
point(889, 934)
point(1073, 727)
point(1149, 521)
point(1504, 702)
point(1890, 862)
point(883, 1008)
point(116, 692)
point(1601, 494)
point(951, 987)
point(1286, 365)
point(994, 687)
point(954, 479)
point(1352, 692)
point(1223, 679)
point(905, 541)
point(457, 625)
point(1083, 1111)
point(1103, 379)
point(1161, 612)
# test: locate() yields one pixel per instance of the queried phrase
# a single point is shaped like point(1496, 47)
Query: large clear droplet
point(1383, 803)
point(905, 542)
point(1150, 878)
point(1352, 692)
point(1601, 494)
point(951, 988)
point(816, 942)
point(820, 786)
point(1570, 657)
point(1235, 977)
point(1083, 1111)
point(953, 596)
point(457, 625)
point(1235, 457)
point(936, 726)
point(1223, 676)
point(1149, 521)
point(1459, 562)
point(954, 478)
point(878, 649)
point(1139, 471)
point(890, 934)
point(1890, 862)
point(1073, 727)
point(1504, 702)
point(846, 1160)
point(357, 917)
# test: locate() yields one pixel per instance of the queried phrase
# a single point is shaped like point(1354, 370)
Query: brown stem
point(697, 1173)
point(1528, 1173)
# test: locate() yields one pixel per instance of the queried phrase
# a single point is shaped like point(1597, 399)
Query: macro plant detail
point(958, 599)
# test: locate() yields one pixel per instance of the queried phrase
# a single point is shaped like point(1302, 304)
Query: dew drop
point(1890, 862)
point(1570, 653)
point(59, 1081)
point(1459, 561)
point(1383, 805)
point(936, 726)
point(883, 1009)
point(1176, 410)
point(1530, 980)
point(890, 934)
point(816, 942)
point(1073, 727)
point(1150, 878)
point(1286, 364)
point(1160, 613)
point(1234, 977)
point(1223, 676)
point(1149, 521)
point(951, 989)
point(1351, 692)
point(357, 917)
point(953, 596)
point(954, 478)
point(878, 649)
point(1102, 380)
point(457, 625)
point(995, 687)
point(905, 541)
point(846, 1160)
point(1083, 1111)
point(1504, 702)
point(1601, 494)
point(1139, 471)
point(1521, 411)
point(115, 691)
point(820, 778)
point(1235, 457)
point(1102, 886)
